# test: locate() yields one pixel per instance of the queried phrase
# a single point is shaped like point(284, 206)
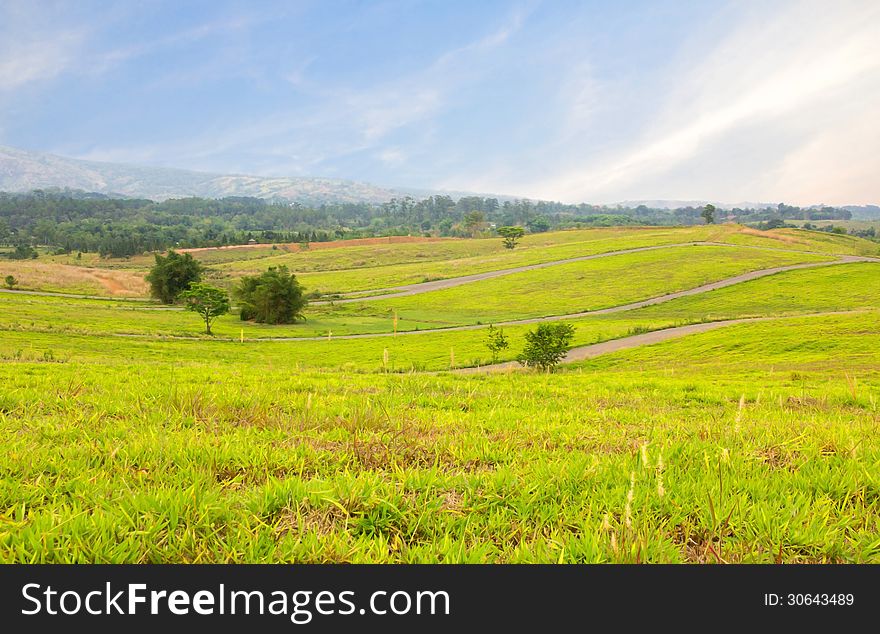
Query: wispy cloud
point(741, 101)
point(31, 51)
point(346, 120)
point(766, 72)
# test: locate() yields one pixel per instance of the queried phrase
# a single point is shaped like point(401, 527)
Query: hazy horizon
point(570, 101)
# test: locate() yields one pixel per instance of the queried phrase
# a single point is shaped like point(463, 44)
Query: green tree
point(547, 345)
point(23, 251)
point(474, 222)
point(496, 341)
point(10, 282)
point(273, 297)
point(708, 214)
point(208, 301)
point(538, 224)
point(511, 235)
point(173, 274)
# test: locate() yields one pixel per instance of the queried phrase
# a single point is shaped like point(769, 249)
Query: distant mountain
point(22, 170)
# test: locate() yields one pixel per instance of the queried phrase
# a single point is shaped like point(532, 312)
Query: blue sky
point(574, 101)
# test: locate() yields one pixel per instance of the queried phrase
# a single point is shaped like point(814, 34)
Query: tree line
point(71, 221)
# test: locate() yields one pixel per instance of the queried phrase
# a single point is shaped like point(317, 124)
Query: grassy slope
point(610, 281)
point(248, 461)
point(395, 267)
point(359, 267)
point(830, 344)
point(37, 325)
point(579, 286)
point(117, 449)
point(839, 287)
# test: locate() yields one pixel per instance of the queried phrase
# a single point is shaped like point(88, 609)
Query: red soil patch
point(313, 246)
point(116, 283)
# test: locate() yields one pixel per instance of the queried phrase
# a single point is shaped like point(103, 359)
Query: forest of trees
point(70, 221)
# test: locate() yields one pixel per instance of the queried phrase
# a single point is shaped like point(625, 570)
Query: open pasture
point(128, 436)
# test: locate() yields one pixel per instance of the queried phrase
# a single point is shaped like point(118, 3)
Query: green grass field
point(127, 436)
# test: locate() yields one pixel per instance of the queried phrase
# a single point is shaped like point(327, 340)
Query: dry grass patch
point(63, 278)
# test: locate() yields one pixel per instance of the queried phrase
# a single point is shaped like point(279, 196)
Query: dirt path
point(624, 343)
point(582, 353)
point(730, 281)
point(425, 287)
point(76, 295)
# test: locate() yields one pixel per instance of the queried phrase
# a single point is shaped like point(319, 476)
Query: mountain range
point(23, 170)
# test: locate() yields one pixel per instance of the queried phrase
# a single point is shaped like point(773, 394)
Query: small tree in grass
point(511, 235)
point(547, 345)
point(10, 282)
point(208, 301)
point(496, 342)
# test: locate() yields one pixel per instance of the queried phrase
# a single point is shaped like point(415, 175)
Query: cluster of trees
point(870, 233)
point(273, 297)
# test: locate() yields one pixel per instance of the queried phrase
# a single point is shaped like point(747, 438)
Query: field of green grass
point(580, 286)
point(128, 436)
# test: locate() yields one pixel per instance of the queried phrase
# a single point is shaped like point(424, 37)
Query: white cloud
point(300, 139)
point(766, 74)
point(31, 51)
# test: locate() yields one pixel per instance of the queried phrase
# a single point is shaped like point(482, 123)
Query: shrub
point(496, 341)
point(23, 251)
point(173, 274)
point(273, 297)
point(547, 345)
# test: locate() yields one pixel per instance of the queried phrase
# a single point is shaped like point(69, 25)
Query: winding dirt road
point(624, 343)
point(711, 286)
point(436, 285)
point(582, 353)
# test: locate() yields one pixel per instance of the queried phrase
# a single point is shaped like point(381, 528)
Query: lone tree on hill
point(10, 282)
point(273, 297)
point(547, 345)
point(708, 214)
point(208, 301)
point(511, 235)
point(173, 274)
point(496, 341)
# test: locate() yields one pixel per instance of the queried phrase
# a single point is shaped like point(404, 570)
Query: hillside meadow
point(130, 436)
